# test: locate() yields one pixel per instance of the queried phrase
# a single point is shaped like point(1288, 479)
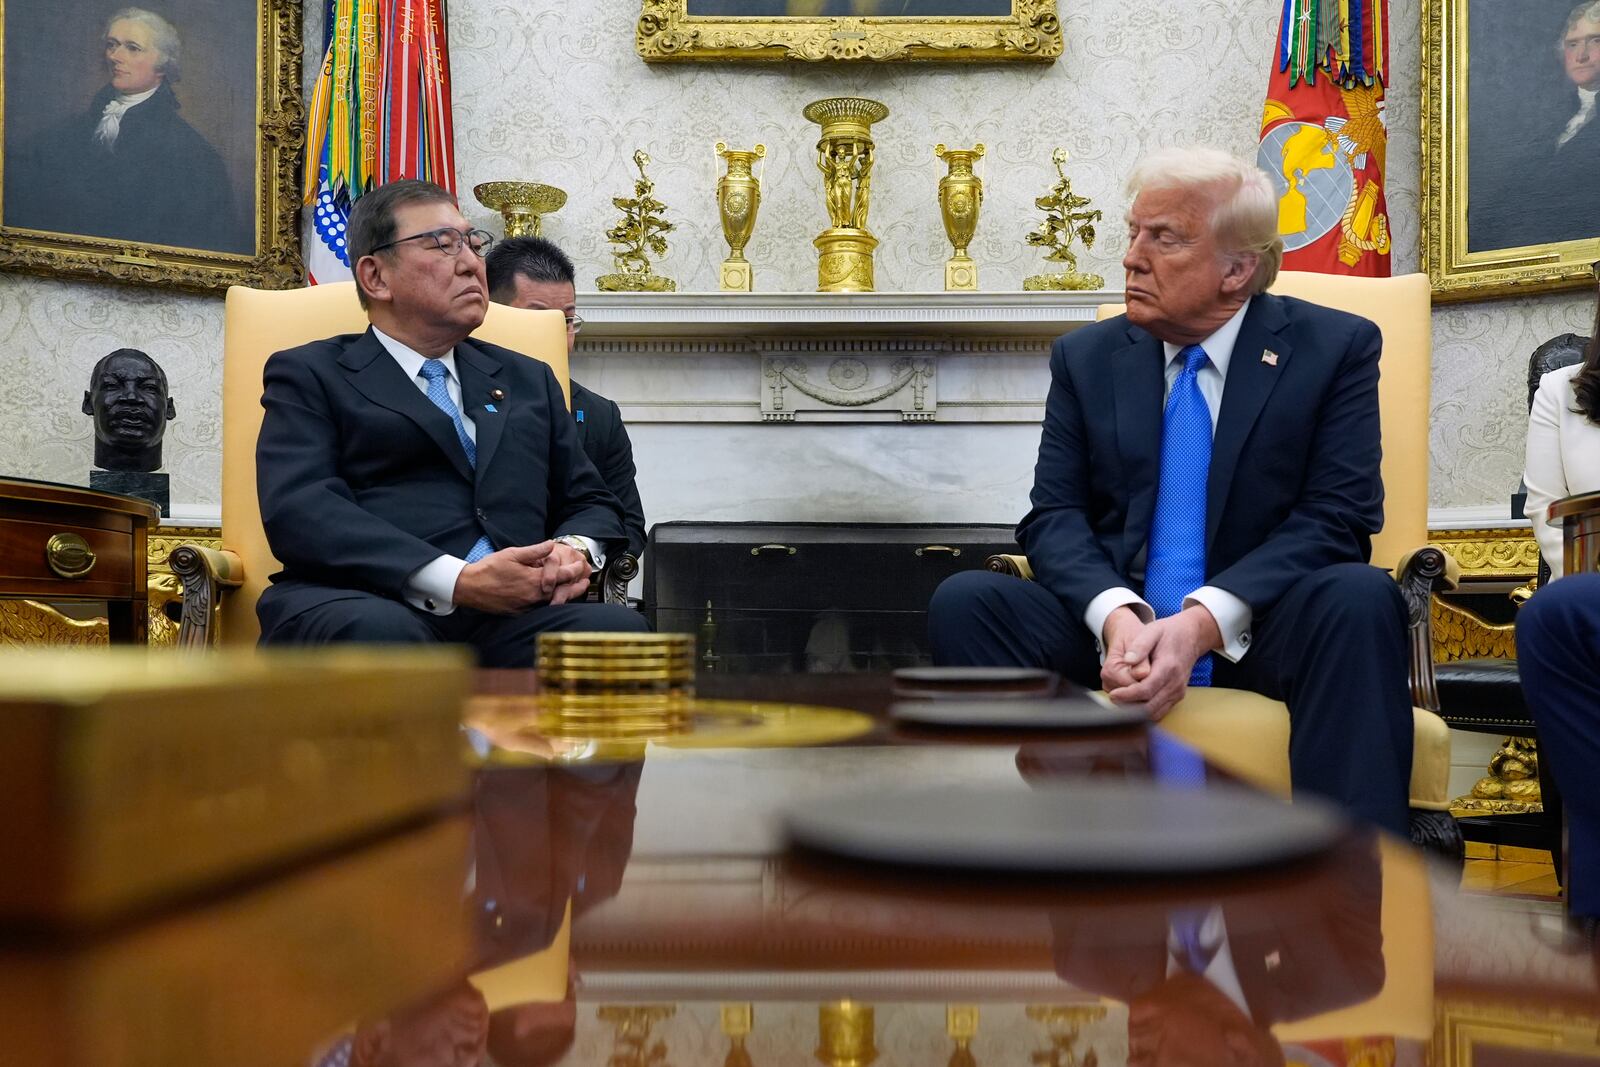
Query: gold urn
point(960, 197)
point(738, 200)
point(845, 156)
point(522, 205)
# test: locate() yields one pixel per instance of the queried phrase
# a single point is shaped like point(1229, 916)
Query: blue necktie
point(1176, 561)
point(436, 374)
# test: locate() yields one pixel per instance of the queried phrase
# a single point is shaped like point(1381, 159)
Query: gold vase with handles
point(960, 197)
point(845, 155)
point(738, 200)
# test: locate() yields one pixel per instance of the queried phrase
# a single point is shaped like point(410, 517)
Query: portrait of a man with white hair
point(129, 166)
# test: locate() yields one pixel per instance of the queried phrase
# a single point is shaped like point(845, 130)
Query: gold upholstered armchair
point(1248, 734)
point(220, 587)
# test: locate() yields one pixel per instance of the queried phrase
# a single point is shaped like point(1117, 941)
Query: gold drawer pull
point(938, 550)
point(68, 555)
point(773, 550)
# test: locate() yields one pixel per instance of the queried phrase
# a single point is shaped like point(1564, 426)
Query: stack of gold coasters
point(618, 684)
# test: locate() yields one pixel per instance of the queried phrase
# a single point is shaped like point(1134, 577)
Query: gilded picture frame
point(1499, 214)
point(849, 30)
point(195, 185)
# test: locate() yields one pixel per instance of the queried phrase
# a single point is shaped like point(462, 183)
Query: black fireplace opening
point(791, 597)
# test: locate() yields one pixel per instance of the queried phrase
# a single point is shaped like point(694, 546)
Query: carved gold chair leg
point(205, 573)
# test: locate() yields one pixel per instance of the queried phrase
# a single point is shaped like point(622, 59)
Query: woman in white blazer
point(1563, 455)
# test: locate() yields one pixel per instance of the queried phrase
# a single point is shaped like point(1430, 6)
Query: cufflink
point(1244, 639)
point(429, 604)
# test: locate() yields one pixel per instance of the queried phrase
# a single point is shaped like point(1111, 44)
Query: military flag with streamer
point(1323, 138)
point(380, 111)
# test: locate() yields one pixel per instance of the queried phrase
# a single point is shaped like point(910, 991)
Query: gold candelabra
point(960, 197)
point(845, 158)
point(641, 234)
point(1067, 218)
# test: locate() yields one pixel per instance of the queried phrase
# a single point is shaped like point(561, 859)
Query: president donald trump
point(1205, 497)
point(418, 485)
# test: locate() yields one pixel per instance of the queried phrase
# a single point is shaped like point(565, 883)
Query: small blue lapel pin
point(489, 407)
point(578, 415)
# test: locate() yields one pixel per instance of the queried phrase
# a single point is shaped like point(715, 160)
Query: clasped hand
point(1149, 663)
point(515, 579)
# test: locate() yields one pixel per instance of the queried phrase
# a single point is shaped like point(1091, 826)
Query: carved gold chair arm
point(205, 573)
point(1015, 565)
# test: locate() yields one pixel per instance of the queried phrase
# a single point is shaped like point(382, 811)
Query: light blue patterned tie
point(1176, 561)
point(437, 374)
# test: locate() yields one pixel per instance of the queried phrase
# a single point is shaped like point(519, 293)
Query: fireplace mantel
point(722, 315)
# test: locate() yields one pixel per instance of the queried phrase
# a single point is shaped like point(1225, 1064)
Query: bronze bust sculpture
point(127, 396)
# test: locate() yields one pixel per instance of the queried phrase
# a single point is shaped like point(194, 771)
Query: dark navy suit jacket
point(605, 440)
point(362, 479)
point(1294, 483)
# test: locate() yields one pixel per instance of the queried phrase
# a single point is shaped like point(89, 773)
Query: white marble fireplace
point(876, 407)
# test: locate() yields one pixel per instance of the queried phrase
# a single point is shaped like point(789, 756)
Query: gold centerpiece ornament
point(641, 233)
point(1065, 220)
point(523, 205)
point(960, 196)
point(845, 157)
point(738, 200)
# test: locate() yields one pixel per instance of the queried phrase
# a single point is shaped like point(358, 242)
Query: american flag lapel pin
point(1269, 357)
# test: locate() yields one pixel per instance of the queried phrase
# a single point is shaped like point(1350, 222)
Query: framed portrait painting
point(153, 142)
point(865, 30)
point(1510, 145)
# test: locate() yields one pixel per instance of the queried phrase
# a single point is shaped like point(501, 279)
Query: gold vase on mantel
point(522, 205)
point(738, 200)
point(845, 157)
point(960, 197)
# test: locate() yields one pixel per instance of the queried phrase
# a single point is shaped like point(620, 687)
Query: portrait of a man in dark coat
point(129, 166)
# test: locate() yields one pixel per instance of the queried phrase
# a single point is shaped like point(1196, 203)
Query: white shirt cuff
point(432, 586)
point(596, 552)
point(1233, 618)
point(1101, 607)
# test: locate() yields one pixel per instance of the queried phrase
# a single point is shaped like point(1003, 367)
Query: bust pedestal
point(146, 485)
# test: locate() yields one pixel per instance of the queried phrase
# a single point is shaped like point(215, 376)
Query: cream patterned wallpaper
point(552, 91)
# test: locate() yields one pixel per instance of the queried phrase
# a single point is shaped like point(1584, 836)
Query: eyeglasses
point(574, 323)
point(450, 241)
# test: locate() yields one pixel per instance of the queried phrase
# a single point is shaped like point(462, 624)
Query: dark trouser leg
point(984, 619)
point(360, 618)
point(1558, 654)
point(1334, 649)
point(509, 641)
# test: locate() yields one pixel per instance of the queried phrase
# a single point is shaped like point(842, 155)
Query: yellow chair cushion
point(1247, 734)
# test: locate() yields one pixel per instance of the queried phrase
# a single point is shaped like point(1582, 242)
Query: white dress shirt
point(1233, 615)
point(1584, 116)
point(432, 586)
point(1563, 458)
point(110, 125)
point(1221, 971)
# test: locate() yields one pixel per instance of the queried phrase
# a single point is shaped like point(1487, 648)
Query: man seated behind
point(1217, 448)
point(531, 272)
point(417, 485)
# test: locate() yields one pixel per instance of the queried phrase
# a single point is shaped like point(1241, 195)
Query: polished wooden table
point(64, 542)
point(1579, 519)
point(645, 910)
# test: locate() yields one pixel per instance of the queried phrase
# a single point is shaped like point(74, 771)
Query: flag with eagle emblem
point(1323, 138)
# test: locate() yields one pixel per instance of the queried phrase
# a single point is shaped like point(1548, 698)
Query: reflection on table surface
point(645, 911)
